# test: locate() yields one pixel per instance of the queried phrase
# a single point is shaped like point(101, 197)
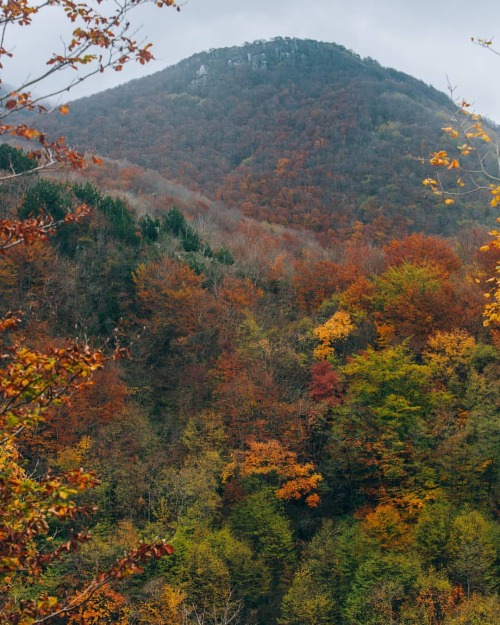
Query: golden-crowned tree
point(470, 165)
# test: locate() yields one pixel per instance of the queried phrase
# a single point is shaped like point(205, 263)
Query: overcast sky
point(429, 39)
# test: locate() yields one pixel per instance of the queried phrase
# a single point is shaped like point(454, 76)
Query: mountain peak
point(292, 131)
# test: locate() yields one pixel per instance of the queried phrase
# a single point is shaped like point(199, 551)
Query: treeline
point(312, 428)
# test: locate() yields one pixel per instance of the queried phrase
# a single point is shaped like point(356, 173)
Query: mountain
point(311, 427)
point(291, 131)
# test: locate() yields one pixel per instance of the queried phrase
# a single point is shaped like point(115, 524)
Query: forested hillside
point(289, 131)
point(313, 428)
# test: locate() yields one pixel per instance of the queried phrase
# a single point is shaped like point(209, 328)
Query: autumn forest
point(249, 374)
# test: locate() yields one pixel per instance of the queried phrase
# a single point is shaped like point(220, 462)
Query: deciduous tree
point(472, 167)
point(295, 479)
point(30, 383)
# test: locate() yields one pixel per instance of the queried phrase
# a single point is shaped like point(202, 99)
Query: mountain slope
point(292, 131)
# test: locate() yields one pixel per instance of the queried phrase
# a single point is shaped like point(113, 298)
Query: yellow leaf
point(440, 159)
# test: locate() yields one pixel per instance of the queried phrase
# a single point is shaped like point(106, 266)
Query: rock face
point(292, 131)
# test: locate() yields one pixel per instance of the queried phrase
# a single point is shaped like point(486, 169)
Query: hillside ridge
point(291, 131)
